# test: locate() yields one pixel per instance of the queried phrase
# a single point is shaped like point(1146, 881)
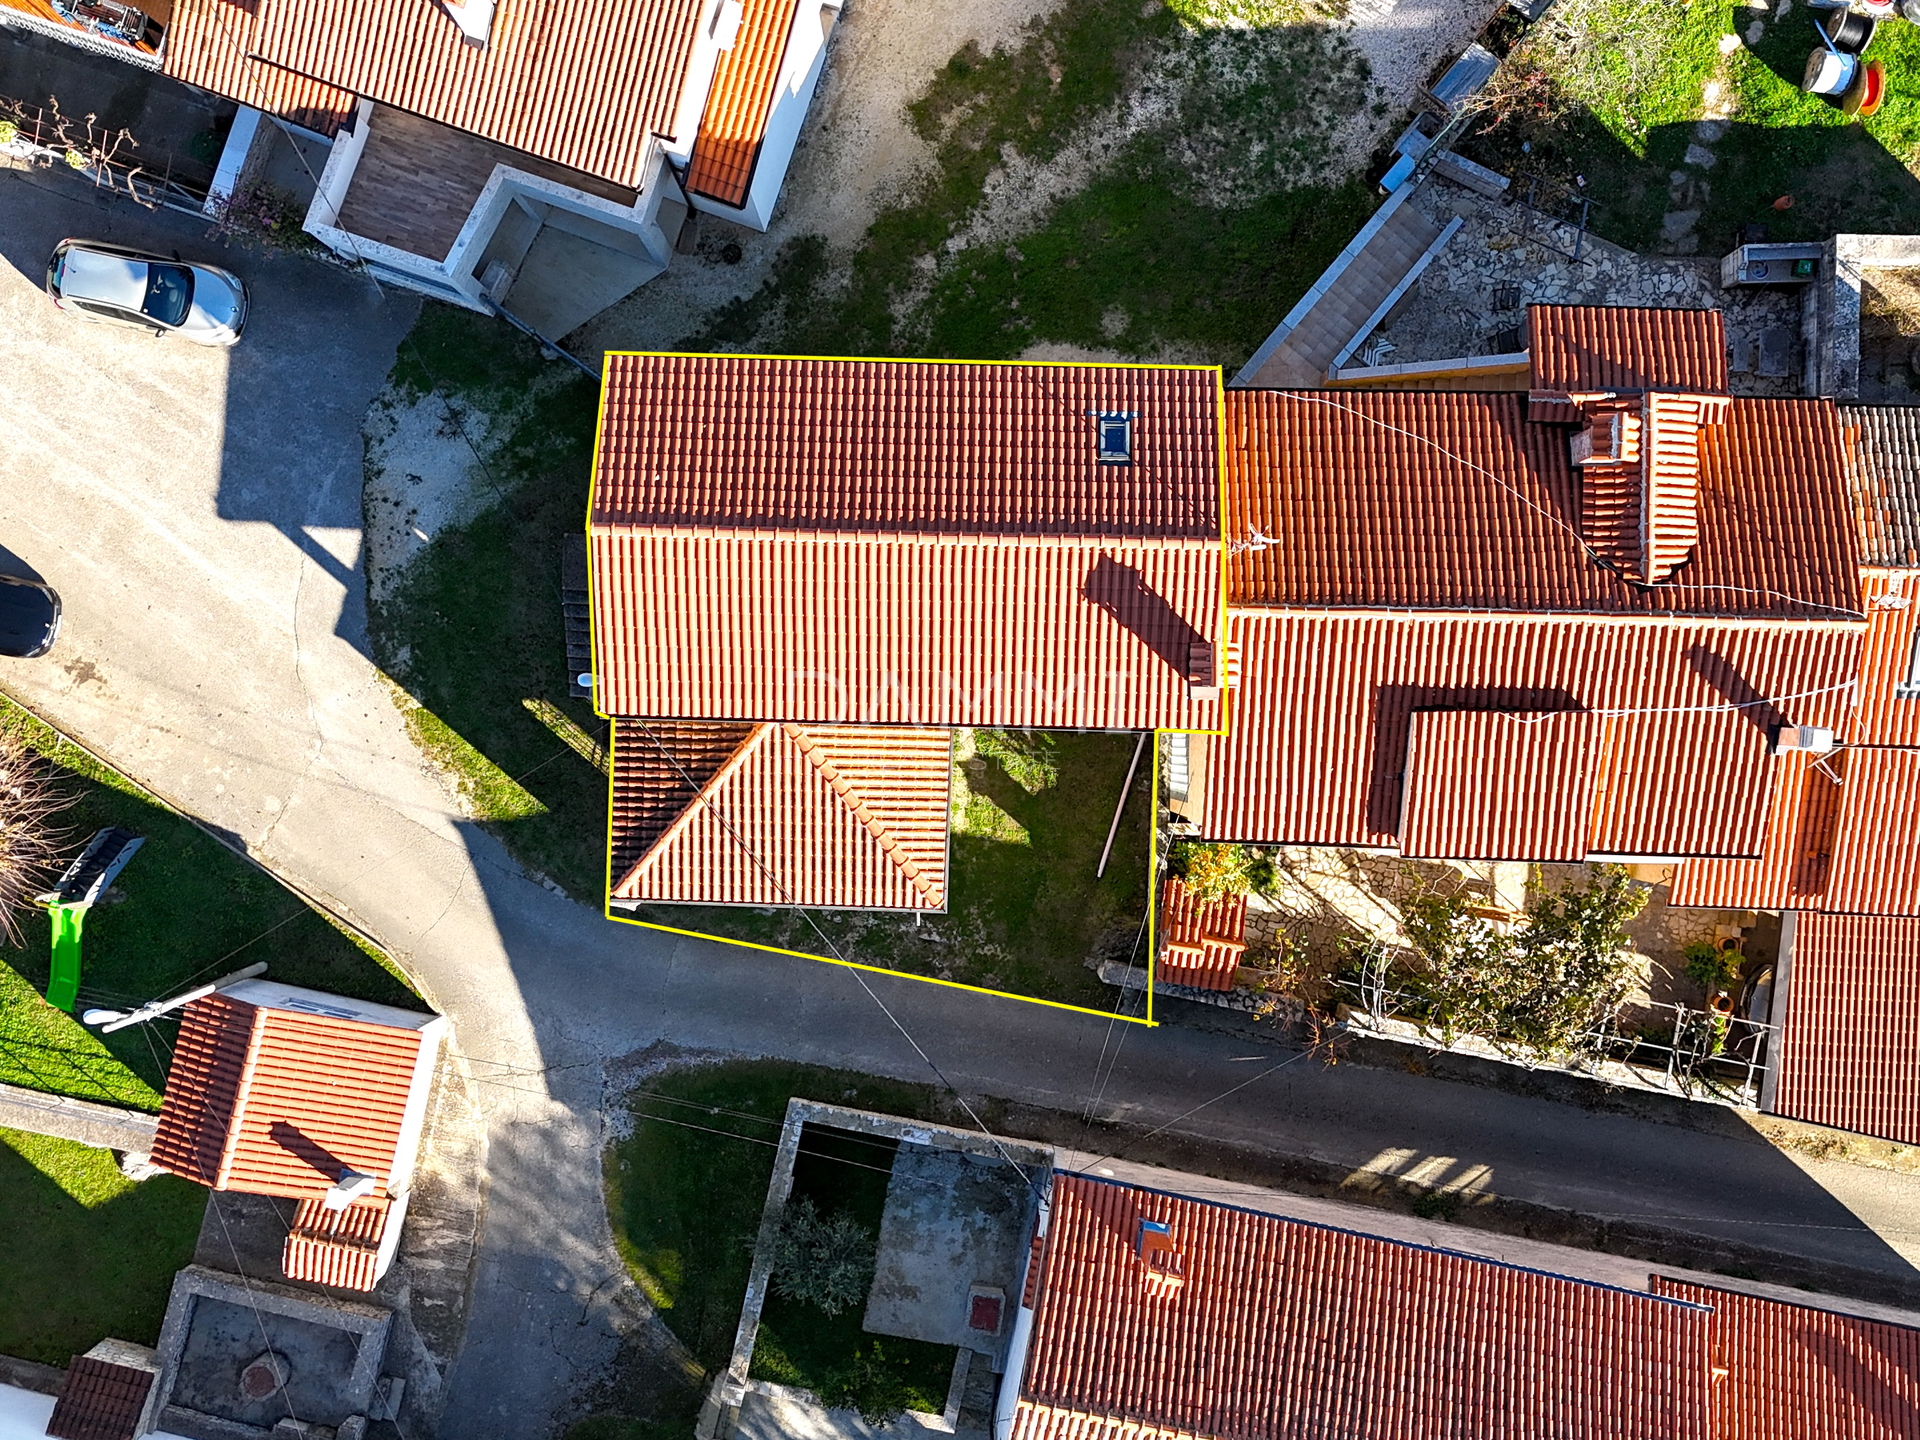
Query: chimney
point(1163, 1267)
point(474, 17)
point(1638, 459)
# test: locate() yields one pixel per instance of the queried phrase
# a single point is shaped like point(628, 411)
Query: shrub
point(825, 1261)
point(1709, 966)
point(30, 844)
point(1549, 985)
point(1211, 871)
point(873, 1385)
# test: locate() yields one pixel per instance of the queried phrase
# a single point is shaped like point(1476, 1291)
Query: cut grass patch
point(193, 910)
point(1189, 146)
point(89, 1253)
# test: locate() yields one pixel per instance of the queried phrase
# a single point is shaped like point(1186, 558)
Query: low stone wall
point(107, 1126)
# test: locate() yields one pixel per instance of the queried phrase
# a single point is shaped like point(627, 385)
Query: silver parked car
point(118, 286)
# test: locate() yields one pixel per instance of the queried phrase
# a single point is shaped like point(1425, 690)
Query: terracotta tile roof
point(1287, 1331)
point(585, 86)
point(755, 443)
point(1203, 941)
point(213, 44)
point(1850, 1036)
point(658, 770)
point(735, 121)
point(1797, 1373)
point(1500, 785)
point(1616, 347)
point(911, 543)
point(1323, 717)
point(1453, 501)
point(1840, 834)
point(337, 1248)
point(1883, 469)
point(838, 816)
point(277, 1102)
point(100, 1401)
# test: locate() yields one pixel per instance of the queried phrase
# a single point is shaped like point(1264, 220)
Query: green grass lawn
point(193, 911)
point(89, 1253)
point(1613, 89)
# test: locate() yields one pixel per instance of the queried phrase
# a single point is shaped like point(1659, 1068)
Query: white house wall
point(697, 86)
point(800, 70)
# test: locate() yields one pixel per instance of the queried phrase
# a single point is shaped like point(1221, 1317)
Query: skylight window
point(1116, 436)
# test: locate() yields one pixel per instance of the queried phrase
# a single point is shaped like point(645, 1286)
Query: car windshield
point(169, 293)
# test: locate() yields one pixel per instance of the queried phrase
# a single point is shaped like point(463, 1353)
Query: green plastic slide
point(63, 978)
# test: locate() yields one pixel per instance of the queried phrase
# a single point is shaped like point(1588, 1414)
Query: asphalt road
point(200, 513)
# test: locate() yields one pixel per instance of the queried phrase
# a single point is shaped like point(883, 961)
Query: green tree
point(822, 1260)
point(1548, 985)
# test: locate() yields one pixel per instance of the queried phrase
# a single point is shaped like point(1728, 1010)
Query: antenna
point(112, 1020)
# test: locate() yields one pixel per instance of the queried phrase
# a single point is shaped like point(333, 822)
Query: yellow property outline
point(1153, 802)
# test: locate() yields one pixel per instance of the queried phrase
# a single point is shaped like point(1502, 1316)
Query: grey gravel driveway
point(200, 513)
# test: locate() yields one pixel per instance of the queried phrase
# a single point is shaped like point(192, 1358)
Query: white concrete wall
point(800, 71)
point(237, 155)
point(698, 85)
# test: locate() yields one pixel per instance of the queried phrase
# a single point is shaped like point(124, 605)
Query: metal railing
point(1696, 1053)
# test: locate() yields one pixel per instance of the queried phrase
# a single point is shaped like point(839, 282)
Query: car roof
point(114, 279)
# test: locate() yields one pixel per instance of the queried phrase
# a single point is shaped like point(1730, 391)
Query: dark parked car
point(29, 617)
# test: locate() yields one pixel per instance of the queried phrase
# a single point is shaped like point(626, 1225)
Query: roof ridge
point(689, 811)
point(230, 1144)
point(890, 844)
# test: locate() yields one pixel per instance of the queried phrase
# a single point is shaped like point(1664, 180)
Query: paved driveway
point(200, 514)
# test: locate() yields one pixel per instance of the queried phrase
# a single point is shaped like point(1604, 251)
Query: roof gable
point(847, 816)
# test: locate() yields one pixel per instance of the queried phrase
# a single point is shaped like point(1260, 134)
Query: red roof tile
point(1323, 716)
point(758, 443)
point(1883, 469)
point(1500, 785)
point(1840, 837)
point(1453, 501)
point(340, 1248)
point(213, 44)
point(100, 1401)
point(911, 543)
point(735, 121)
point(1289, 1331)
point(1797, 1373)
point(277, 1102)
point(585, 86)
point(1202, 941)
point(1850, 1034)
point(1616, 347)
point(835, 816)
